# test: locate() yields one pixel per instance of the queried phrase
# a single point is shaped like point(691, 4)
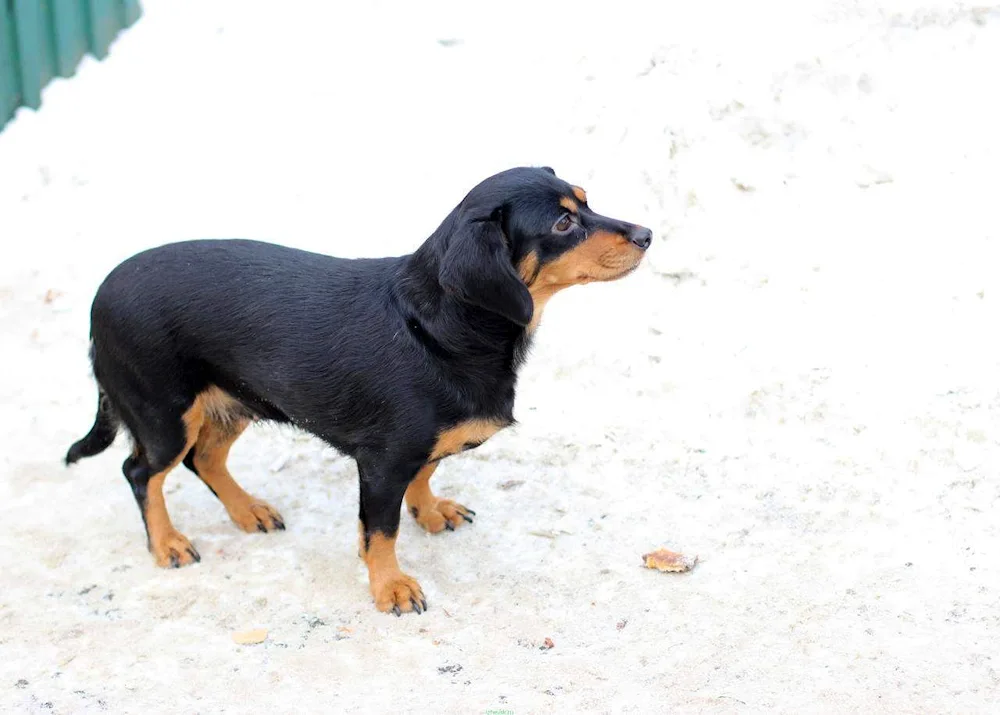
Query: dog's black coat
point(374, 356)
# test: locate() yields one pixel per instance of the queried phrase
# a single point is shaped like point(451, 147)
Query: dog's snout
point(641, 237)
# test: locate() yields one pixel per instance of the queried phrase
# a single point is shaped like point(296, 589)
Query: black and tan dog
point(397, 362)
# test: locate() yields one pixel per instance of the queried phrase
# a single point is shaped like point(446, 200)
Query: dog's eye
point(564, 224)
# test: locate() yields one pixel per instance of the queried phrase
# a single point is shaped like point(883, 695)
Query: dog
point(396, 362)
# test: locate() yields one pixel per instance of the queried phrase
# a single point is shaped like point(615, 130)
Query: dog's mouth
point(631, 269)
point(616, 270)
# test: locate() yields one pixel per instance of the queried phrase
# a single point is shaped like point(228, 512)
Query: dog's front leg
point(383, 484)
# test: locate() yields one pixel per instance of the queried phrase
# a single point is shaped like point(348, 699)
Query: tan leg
point(432, 513)
point(169, 546)
point(210, 455)
point(393, 590)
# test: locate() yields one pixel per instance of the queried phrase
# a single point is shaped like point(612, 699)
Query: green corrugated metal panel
point(10, 78)
point(69, 19)
point(42, 39)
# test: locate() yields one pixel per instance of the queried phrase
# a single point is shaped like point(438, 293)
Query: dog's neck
point(462, 330)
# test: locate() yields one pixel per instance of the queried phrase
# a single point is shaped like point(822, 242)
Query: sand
point(801, 386)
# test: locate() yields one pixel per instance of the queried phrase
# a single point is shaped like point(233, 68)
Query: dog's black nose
point(641, 237)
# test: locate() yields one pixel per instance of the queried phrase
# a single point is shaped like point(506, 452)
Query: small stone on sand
point(252, 637)
point(664, 560)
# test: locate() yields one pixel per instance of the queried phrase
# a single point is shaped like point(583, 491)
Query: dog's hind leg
point(207, 459)
point(162, 440)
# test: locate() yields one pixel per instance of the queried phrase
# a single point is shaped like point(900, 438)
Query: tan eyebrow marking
point(569, 204)
point(580, 194)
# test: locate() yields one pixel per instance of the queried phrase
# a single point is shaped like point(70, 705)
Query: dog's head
point(523, 234)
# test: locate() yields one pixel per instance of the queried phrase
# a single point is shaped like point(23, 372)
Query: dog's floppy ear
point(477, 268)
point(549, 169)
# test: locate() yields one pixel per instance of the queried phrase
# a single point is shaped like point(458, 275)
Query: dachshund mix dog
point(396, 362)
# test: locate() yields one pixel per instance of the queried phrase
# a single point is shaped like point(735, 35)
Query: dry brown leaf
point(664, 560)
point(252, 637)
point(548, 645)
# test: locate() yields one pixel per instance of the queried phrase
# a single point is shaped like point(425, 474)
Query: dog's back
point(225, 312)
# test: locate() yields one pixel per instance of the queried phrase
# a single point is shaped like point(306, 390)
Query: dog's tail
point(101, 435)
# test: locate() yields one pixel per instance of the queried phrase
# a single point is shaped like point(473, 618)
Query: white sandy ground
point(800, 386)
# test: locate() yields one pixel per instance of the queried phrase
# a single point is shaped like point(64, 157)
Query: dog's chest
point(463, 436)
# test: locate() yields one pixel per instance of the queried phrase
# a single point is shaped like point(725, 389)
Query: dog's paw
point(257, 515)
point(173, 550)
point(398, 593)
point(443, 514)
